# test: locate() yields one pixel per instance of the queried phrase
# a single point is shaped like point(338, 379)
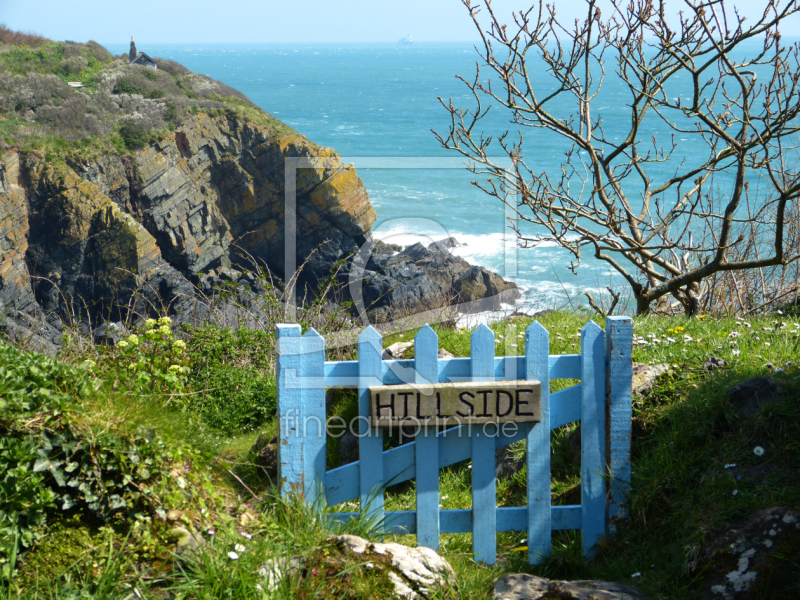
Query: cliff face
point(90, 234)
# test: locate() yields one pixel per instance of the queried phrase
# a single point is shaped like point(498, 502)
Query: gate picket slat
point(426, 356)
point(484, 495)
point(619, 344)
point(593, 442)
point(370, 441)
point(313, 427)
point(290, 408)
point(537, 345)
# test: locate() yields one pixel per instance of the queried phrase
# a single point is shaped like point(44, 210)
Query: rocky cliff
point(93, 239)
point(142, 190)
point(84, 236)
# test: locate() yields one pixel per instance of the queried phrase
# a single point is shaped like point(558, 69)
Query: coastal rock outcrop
point(420, 278)
point(149, 229)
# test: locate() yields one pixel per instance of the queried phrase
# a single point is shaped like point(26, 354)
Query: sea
point(376, 104)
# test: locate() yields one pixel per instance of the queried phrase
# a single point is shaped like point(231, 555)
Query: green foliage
point(232, 377)
point(134, 135)
point(126, 85)
point(49, 463)
point(150, 360)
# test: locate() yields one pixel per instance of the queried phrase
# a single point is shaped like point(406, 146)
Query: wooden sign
point(455, 403)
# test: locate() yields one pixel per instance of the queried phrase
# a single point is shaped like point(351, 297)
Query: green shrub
point(127, 86)
point(232, 377)
point(155, 94)
point(134, 135)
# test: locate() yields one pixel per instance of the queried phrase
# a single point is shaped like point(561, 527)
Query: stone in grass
point(445, 354)
point(752, 394)
point(713, 363)
point(397, 350)
point(749, 559)
point(521, 586)
point(414, 572)
point(274, 570)
point(265, 454)
point(186, 542)
point(411, 573)
point(645, 376)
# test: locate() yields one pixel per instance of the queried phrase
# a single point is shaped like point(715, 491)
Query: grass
point(686, 432)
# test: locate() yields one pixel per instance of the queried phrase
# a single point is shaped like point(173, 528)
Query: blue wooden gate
point(601, 402)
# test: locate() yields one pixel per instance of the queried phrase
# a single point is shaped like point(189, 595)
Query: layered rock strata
point(147, 231)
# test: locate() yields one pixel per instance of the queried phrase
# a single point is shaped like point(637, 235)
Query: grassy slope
point(682, 495)
point(120, 108)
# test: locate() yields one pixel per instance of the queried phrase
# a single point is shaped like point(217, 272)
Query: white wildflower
point(239, 548)
point(758, 451)
point(233, 556)
point(733, 334)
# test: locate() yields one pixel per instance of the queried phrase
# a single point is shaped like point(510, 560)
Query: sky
point(260, 21)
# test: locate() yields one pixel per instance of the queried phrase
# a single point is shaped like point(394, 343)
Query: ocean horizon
point(376, 104)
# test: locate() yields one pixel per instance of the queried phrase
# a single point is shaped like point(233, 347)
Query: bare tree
point(663, 217)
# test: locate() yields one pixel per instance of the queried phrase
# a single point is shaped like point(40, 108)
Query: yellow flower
point(133, 339)
point(150, 323)
point(179, 344)
point(679, 329)
point(88, 364)
point(175, 368)
point(123, 344)
point(165, 321)
point(164, 329)
point(702, 316)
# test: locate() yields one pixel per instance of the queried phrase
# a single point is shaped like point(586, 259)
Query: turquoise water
point(380, 100)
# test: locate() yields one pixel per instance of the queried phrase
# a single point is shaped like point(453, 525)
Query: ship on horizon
point(406, 39)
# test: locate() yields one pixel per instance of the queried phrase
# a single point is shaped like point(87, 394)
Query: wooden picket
point(601, 401)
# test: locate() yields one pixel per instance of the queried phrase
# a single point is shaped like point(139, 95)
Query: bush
point(134, 134)
point(126, 85)
point(232, 374)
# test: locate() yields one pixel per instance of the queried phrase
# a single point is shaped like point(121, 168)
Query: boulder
point(506, 464)
point(713, 363)
point(415, 572)
point(752, 394)
point(522, 586)
point(645, 376)
point(445, 244)
point(265, 455)
point(746, 560)
point(397, 350)
point(423, 279)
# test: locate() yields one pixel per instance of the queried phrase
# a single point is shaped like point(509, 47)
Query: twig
point(236, 477)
